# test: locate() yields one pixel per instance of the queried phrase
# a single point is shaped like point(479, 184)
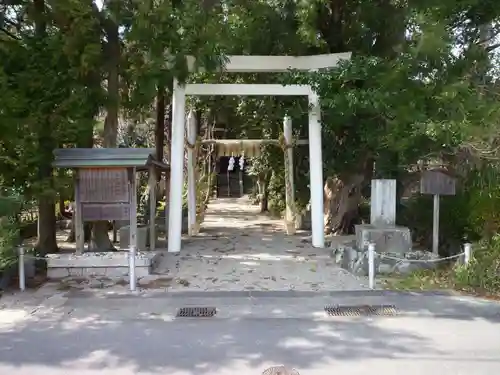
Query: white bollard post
point(371, 265)
point(22, 277)
point(467, 252)
point(131, 272)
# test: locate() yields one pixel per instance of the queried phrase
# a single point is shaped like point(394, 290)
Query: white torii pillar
point(316, 172)
point(191, 197)
point(176, 168)
point(289, 182)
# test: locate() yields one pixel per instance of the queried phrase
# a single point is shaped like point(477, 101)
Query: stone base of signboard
point(109, 264)
point(142, 237)
point(396, 239)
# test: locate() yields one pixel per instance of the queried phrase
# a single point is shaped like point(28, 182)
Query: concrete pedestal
point(108, 264)
point(396, 239)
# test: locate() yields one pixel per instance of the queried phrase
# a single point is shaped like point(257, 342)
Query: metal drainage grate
point(361, 310)
point(196, 312)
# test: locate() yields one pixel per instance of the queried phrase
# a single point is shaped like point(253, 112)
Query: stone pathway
point(237, 249)
point(240, 249)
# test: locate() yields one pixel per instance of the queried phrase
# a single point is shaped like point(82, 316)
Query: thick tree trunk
point(87, 230)
point(167, 141)
point(342, 199)
point(100, 239)
point(85, 140)
point(160, 126)
point(46, 201)
point(46, 225)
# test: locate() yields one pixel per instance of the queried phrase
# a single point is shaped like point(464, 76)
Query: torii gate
point(248, 64)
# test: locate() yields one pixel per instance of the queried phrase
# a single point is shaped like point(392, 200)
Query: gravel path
point(240, 249)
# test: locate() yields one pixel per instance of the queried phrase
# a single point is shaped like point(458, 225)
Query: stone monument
point(382, 230)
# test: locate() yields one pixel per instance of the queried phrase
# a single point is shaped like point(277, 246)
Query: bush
point(8, 238)
point(9, 232)
point(473, 213)
point(455, 221)
point(482, 274)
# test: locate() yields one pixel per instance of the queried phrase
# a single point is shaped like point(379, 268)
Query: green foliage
point(455, 221)
point(9, 233)
point(482, 274)
point(471, 214)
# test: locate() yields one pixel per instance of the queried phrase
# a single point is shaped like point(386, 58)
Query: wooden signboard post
point(437, 182)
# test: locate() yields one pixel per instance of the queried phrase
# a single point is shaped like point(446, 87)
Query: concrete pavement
point(435, 333)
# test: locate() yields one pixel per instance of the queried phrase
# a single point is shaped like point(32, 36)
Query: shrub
point(9, 232)
point(482, 274)
point(473, 213)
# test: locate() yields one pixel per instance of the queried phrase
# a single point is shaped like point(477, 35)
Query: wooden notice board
point(437, 182)
point(104, 193)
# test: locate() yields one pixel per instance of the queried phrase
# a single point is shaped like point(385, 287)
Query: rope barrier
point(421, 260)
point(467, 254)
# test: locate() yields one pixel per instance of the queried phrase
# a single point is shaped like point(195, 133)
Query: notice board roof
point(140, 158)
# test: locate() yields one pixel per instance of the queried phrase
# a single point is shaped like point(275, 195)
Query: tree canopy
point(422, 84)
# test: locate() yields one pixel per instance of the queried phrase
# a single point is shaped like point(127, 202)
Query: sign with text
point(437, 182)
point(104, 193)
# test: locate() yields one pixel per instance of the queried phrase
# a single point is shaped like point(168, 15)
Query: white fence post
point(22, 274)
point(371, 265)
point(467, 252)
point(131, 272)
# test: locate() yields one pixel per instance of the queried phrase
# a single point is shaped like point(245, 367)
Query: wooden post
point(78, 219)
point(133, 228)
point(133, 208)
point(152, 208)
point(435, 225)
point(289, 182)
point(191, 197)
point(437, 182)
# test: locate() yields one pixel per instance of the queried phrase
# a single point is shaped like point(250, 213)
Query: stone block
point(142, 237)
point(383, 203)
point(353, 259)
point(387, 240)
point(109, 264)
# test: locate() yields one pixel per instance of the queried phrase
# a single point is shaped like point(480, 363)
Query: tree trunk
point(100, 239)
point(46, 201)
point(46, 225)
point(160, 122)
point(167, 141)
point(85, 140)
point(262, 183)
point(342, 199)
point(87, 230)
point(160, 126)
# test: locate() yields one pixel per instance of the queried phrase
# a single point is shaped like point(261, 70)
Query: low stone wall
point(349, 257)
point(110, 264)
